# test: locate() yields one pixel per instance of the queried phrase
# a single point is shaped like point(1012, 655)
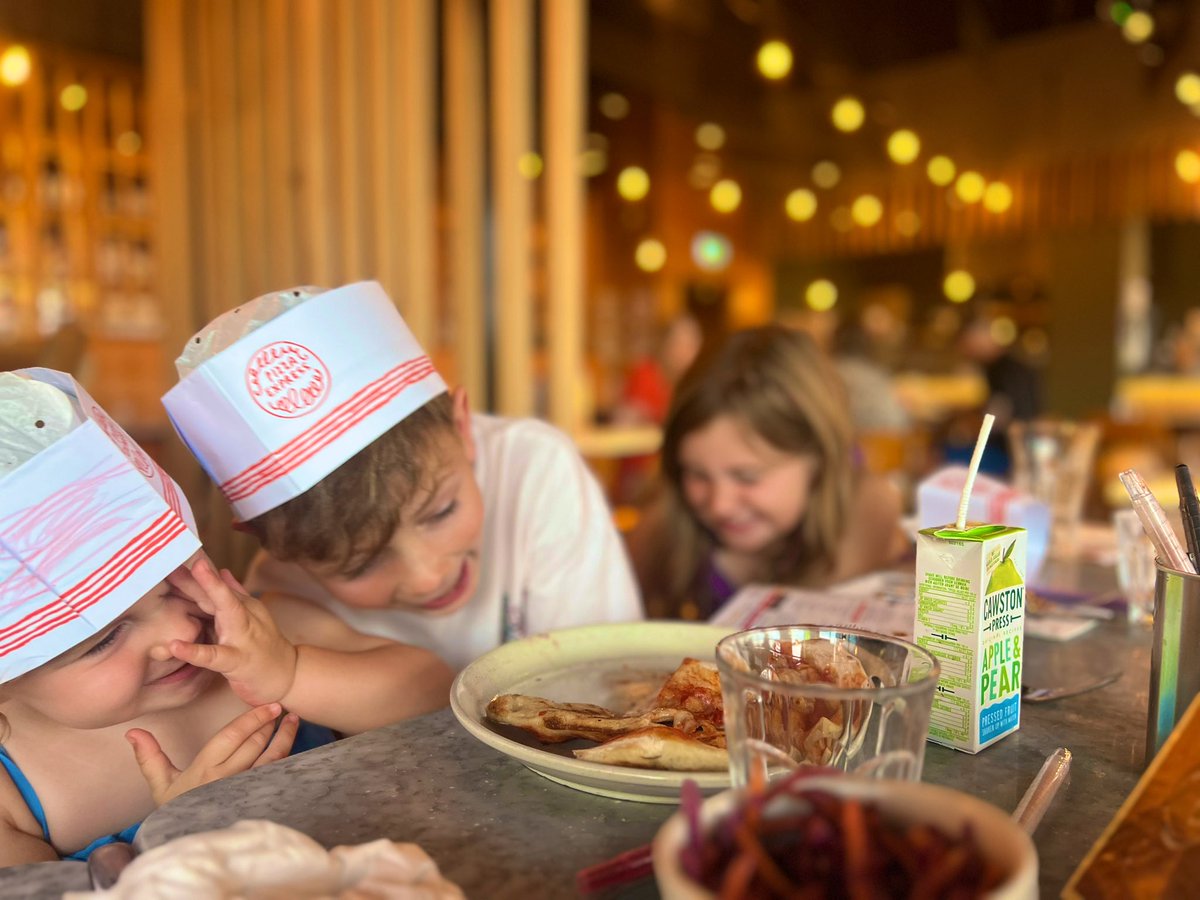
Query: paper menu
point(882, 602)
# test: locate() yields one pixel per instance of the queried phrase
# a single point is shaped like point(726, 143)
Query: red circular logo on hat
point(135, 454)
point(287, 379)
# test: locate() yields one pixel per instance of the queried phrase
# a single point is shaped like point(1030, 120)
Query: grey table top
point(501, 831)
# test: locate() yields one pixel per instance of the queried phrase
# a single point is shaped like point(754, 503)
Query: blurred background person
point(646, 397)
point(1014, 395)
point(874, 404)
point(760, 480)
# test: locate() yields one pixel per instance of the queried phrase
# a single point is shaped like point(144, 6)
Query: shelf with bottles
point(76, 233)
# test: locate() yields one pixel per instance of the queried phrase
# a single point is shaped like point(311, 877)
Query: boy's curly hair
point(348, 516)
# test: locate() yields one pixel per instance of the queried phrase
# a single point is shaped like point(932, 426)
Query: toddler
point(130, 669)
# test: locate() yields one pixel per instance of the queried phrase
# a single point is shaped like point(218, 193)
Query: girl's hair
point(349, 516)
point(778, 383)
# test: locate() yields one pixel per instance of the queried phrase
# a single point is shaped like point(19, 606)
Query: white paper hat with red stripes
point(277, 405)
point(89, 524)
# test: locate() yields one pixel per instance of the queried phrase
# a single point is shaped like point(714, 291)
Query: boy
point(376, 493)
point(115, 632)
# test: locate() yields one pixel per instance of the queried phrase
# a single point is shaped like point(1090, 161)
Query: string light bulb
point(633, 183)
point(710, 136)
point(903, 146)
point(821, 295)
point(800, 205)
point(997, 197)
point(970, 187)
point(15, 65)
point(614, 106)
point(73, 97)
point(530, 165)
point(774, 60)
point(1187, 88)
point(1187, 166)
point(826, 174)
point(1138, 27)
point(725, 196)
point(941, 170)
point(650, 255)
point(848, 114)
point(866, 210)
point(958, 286)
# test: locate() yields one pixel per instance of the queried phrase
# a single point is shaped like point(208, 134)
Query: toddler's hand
point(245, 743)
point(256, 659)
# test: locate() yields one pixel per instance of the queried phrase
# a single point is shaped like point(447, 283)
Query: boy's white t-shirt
point(550, 556)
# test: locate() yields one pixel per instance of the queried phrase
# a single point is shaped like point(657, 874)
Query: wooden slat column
point(565, 88)
point(166, 83)
point(511, 94)
point(415, 42)
point(463, 44)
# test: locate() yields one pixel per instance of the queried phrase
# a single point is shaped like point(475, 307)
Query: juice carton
point(971, 616)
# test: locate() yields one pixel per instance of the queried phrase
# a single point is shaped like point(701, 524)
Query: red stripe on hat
point(74, 603)
point(95, 587)
point(98, 585)
point(347, 414)
point(169, 493)
point(344, 417)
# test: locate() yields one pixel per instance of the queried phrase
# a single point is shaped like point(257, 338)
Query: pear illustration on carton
point(1005, 574)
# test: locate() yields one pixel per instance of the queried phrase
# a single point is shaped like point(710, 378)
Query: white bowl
point(999, 839)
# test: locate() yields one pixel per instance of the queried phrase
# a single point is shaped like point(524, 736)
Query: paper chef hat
point(290, 400)
point(88, 522)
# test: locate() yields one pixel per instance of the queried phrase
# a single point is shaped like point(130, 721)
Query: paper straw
point(1040, 793)
point(984, 430)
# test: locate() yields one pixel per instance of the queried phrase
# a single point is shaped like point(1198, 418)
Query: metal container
point(1175, 656)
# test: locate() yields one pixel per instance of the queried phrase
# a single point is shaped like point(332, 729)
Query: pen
point(1189, 506)
point(1154, 521)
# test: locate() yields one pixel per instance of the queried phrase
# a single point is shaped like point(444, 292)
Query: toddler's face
point(125, 671)
point(746, 492)
point(430, 565)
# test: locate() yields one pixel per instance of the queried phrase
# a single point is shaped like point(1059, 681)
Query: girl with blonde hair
point(760, 480)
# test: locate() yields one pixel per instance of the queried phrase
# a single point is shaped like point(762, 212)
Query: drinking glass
point(782, 711)
point(1052, 461)
point(1135, 564)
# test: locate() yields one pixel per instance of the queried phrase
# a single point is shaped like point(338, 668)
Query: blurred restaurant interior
point(551, 189)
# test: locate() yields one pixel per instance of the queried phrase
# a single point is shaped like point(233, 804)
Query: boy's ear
point(462, 421)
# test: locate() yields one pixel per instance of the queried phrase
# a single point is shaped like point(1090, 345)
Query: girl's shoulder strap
point(25, 789)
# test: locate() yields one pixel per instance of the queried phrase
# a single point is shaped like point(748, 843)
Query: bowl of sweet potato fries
point(841, 836)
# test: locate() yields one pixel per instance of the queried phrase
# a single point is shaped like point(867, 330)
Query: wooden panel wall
point(300, 149)
point(300, 145)
point(76, 242)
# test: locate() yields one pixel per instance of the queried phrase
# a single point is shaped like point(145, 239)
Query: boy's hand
point(245, 743)
point(256, 659)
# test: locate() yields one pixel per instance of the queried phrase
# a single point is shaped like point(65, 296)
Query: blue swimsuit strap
point(25, 789)
point(308, 736)
point(29, 795)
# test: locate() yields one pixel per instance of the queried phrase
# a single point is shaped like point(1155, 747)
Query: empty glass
point(1052, 461)
point(808, 695)
point(1135, 564)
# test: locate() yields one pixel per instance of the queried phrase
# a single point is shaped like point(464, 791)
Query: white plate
point(584, 665)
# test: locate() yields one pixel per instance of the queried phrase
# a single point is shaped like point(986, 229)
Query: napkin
point(33, 415)
point(230, 327)
point(993, 502)
point(259, 860)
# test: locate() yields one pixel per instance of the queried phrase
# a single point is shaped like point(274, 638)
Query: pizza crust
point(658, 747)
